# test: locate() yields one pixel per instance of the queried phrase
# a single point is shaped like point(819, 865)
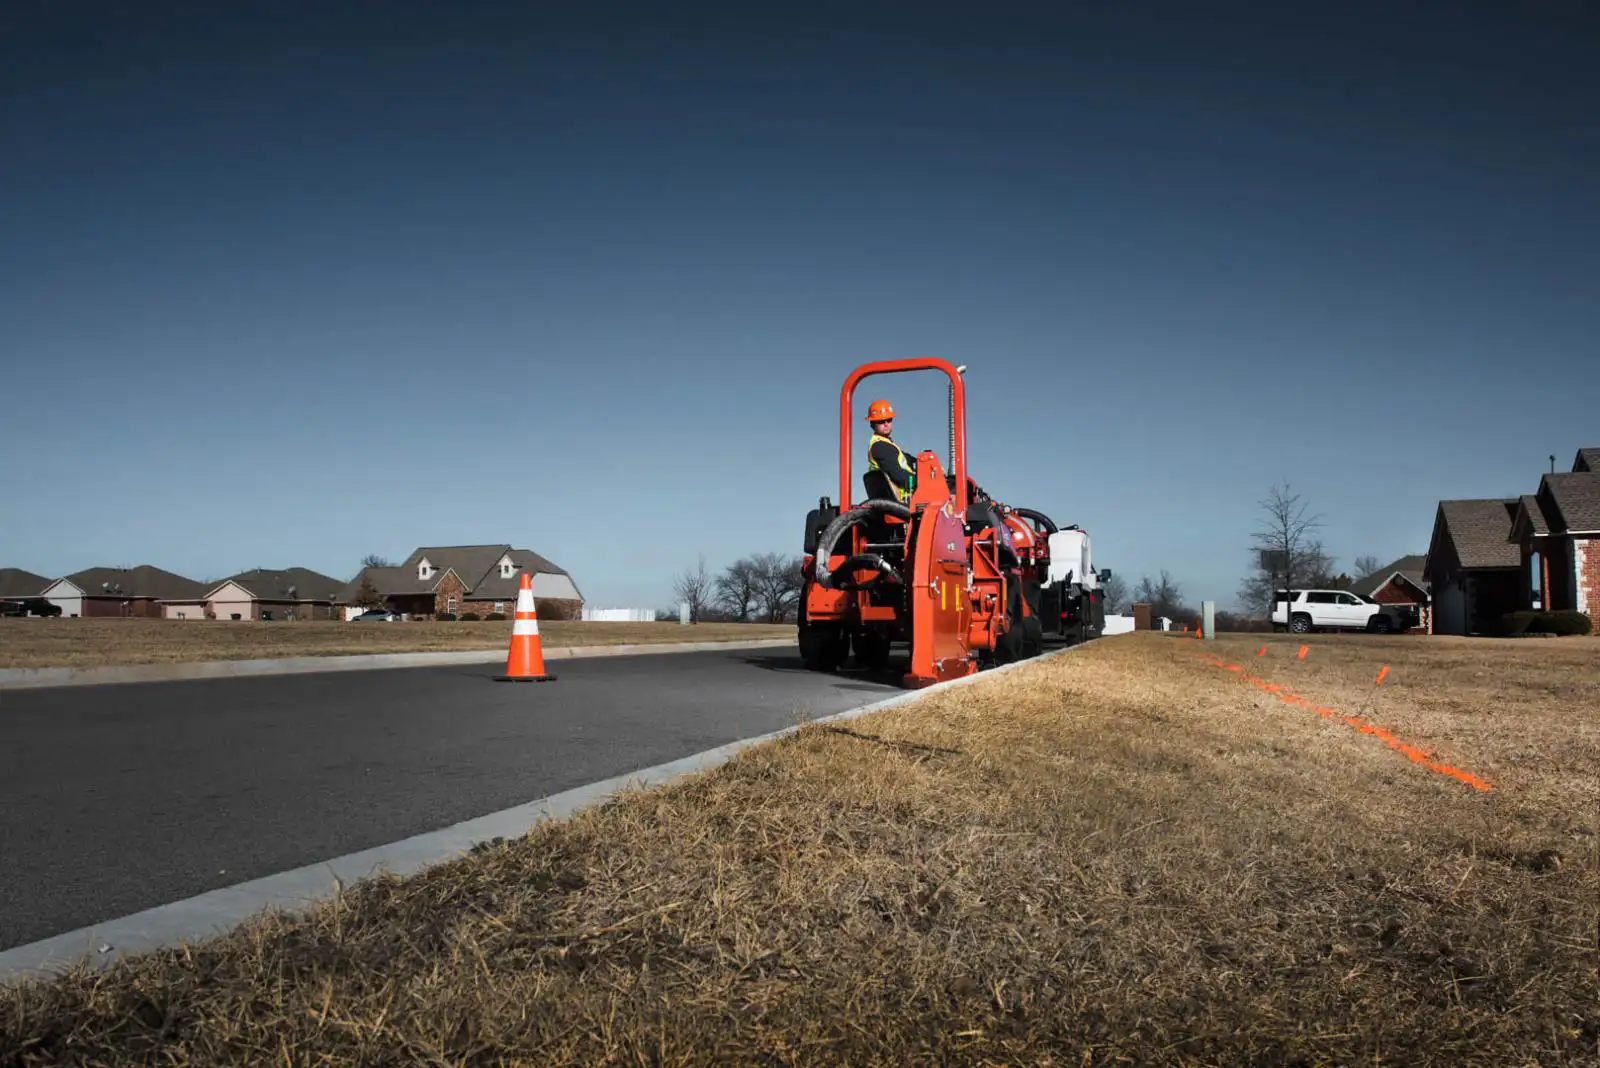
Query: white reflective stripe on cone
point(525, 626)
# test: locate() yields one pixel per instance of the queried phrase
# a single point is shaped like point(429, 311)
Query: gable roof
point(144, 581)
point(1587, 460)
point(15, 582)
point(470, 562)
point(1576, 500)
point(385, 580)
point(493, 587)
point(1411, 568)
point(268, 585)
point(1530, 520)
point(1477, 533)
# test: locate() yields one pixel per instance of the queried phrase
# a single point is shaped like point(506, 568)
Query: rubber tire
point(1380, 625)
point(872, 651)
point(1009, 647)
point(1300, 624)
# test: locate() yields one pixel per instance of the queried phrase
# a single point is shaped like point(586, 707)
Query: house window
point(499, 606)
point(450, 605)
point(506, 568)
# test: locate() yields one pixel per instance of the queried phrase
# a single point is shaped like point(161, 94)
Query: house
point(1474, 569)
point(435, 580)
point(1557, 531)
point(20, 590)
point(263, 594)
point(1403, 583)
point(136, 592)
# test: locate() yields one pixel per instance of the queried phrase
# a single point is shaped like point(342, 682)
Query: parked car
point(28, 606)
point(1336, 610)
point(378, 615)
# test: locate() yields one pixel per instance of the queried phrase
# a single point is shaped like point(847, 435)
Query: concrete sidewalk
point(33, 678)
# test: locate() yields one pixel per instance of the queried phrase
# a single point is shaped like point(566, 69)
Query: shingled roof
point(1408, 567)
point(1576, 500)
point(144, 581)
point(15, 582)
point(1587, 460)
point(493, 587)
point(267, 585)
point(1479, 532)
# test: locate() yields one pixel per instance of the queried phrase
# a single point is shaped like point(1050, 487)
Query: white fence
point(619, 615)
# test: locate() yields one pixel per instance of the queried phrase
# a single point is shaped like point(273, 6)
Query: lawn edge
point(27, 678)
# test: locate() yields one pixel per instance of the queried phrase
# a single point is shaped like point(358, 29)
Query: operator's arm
point(889, 462)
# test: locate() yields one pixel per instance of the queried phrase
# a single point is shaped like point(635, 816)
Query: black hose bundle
point(835, 530)
point(1038, 517)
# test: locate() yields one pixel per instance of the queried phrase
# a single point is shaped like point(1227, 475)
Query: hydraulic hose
point(835, 530)
point(1038, 517)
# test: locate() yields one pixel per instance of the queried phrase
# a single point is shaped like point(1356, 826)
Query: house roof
point(144, 581)
point(1480, 531)
point(15, 582)
point(493, 587)
point(1530, 517)
point(268, 585)
point(392, 581)
point(1410, 568)
point(1587, 460)
point(470, 562)
point(1576, 496)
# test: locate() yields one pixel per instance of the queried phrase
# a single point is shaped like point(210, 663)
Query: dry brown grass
point(1124, 855)
point(93, 642)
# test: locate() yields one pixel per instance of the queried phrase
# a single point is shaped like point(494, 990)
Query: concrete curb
point(218, 911)
point(34, 678)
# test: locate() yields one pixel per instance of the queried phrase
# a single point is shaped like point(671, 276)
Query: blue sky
point(284, 286)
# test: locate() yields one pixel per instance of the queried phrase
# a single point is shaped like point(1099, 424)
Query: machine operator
point(884, 453)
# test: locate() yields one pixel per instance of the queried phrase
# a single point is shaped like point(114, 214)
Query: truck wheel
point(1301, 624)
point(872, 651)
point(1379, 625)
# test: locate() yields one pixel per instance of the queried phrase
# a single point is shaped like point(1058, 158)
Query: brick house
point(1557, 531)
point(126, 592)
point(263, 594)
point(1403, 583)
point(435, 580)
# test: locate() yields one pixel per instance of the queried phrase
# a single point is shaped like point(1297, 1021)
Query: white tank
point(1070, 560)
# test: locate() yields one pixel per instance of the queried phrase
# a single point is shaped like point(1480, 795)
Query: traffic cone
point(526, 661)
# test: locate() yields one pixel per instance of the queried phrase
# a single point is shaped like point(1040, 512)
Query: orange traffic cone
point(526, 661)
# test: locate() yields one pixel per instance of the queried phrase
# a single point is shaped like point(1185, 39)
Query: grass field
point(91, 642)
point(1127, 854)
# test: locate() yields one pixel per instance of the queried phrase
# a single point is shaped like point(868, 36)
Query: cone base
point(524, 678)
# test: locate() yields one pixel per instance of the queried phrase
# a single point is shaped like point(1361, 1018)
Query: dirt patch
point(95, 642)
point(1123, 855)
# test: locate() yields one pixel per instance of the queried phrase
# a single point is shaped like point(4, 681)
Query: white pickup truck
point(1335, 610)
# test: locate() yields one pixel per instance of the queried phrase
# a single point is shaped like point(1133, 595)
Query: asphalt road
point(115, 799)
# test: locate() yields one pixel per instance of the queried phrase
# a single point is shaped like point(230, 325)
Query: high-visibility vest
point(901, 495)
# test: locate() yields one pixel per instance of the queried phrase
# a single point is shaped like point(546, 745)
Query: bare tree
point(778, 584)
point(1365, 565)
point(696, 587)
point(737, 587)
point(375, 560)
point(1286, 530)
point(1115, 591)
point(1165, 597)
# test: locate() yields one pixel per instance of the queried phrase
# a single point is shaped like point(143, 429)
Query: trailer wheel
point(872, 651)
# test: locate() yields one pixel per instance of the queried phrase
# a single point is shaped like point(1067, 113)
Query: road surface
point(115, 799)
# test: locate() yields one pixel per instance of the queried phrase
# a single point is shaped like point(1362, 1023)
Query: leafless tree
point(778, 584)
point(374, 560)
point(1285, 529)
point(696, 586)
point(1366, 565)
point(1165, 597)
point(1115, 591)
point(737, 588)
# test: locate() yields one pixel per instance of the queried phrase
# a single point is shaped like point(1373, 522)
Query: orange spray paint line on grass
point(1382, 675)
point(1261, 651)
point(1415, 754)
point(1304, 649)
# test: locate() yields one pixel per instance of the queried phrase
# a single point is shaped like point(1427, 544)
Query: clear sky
point(284, 285)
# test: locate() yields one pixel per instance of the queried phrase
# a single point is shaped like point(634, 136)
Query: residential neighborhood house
point(128, 592)
point(1403, 583)
point(452, 579)
point(294, 593)
point(1488, 556)
point(20, 589)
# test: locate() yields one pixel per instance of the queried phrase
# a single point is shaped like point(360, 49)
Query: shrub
point(495, 617)
point(1563, 623)
point(468, 617)
point(446, 617)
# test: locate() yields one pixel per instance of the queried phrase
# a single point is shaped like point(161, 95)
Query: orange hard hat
point(879, 411)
